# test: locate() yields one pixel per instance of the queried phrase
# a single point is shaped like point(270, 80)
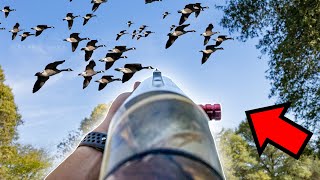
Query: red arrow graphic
point(269, 125)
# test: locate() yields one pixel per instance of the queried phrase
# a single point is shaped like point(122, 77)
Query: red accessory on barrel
point(213, 111)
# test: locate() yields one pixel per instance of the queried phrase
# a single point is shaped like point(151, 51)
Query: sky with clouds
point(234, 77)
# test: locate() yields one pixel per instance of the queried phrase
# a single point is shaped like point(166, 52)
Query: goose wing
point(211, 47)
point(74, 46)
point(218, 43)
point(121, 48)
point(109, 65)
point(181, 27)
point(133, 66)
point(38, 33)
point(14, 35)
point(134, 34)
point(183, 18)
point(222, 37)
point(69, 15)
point(39, 83)
point(127, 76)
point(86, 81)
point(102, 86)
point(197, 13)
point(118, 37)
point(170, 41)
point(74, 35)
point(206, 40)
point(88, 55)
point(70, 24)
point(205, 57)
point(189, 7)
point(23, 38)
point(95, 6)
point(85, 21)
point(6, 14)
point(91, 65)
point(107, 77)
point(16, 26)
point(210, 27)
point(53, 66)
point(92, 43)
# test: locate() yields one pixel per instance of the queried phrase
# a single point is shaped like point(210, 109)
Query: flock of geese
point(117, 52)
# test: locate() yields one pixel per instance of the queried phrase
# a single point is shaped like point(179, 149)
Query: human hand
point(104, 126)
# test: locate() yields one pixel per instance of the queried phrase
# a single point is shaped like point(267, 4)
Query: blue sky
point(234, 77)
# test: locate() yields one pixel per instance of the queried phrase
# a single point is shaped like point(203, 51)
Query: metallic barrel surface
point(156, 129)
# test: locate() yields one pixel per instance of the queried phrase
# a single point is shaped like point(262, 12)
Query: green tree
point(87, 124)
point(17, 161)
point(237, 159)
point(289, 32)
point(97, 116)
point(239, 149)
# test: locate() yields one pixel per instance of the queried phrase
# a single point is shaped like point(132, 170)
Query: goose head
point(82, 74)
point(149, 67)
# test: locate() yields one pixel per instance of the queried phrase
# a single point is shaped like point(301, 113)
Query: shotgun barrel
point(159, 133)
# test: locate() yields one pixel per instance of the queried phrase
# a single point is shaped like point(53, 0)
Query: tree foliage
point(17, 161)
point(87, 124)
point(97, 116)
point(241, 160)
point(289, 32)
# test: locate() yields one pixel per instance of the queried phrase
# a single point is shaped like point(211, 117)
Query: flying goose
point(172, 27)
point(87, 17)
point(105, 80)
point(91, 46)
point(111, 58)
point(221, 39)
point(165, 14)
point(69, 17)
point(25, 35)
point(198, 8)
point(134, 33)
point(208, 51)
point(121, 33)
point(208, 33)
point(146, 33)
point(88, 73)
point(15, 30)
point(179, 31)
point(129, 23)
point(50, 70)
point(130, 69)
point(40, 28)
point(150, 1)
point(7, 11)
point(74, 39)
point(97, 3)
point(139, 36)
point(143, 27)
point(121, 49)
point(185, 13)
point(2, 28)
